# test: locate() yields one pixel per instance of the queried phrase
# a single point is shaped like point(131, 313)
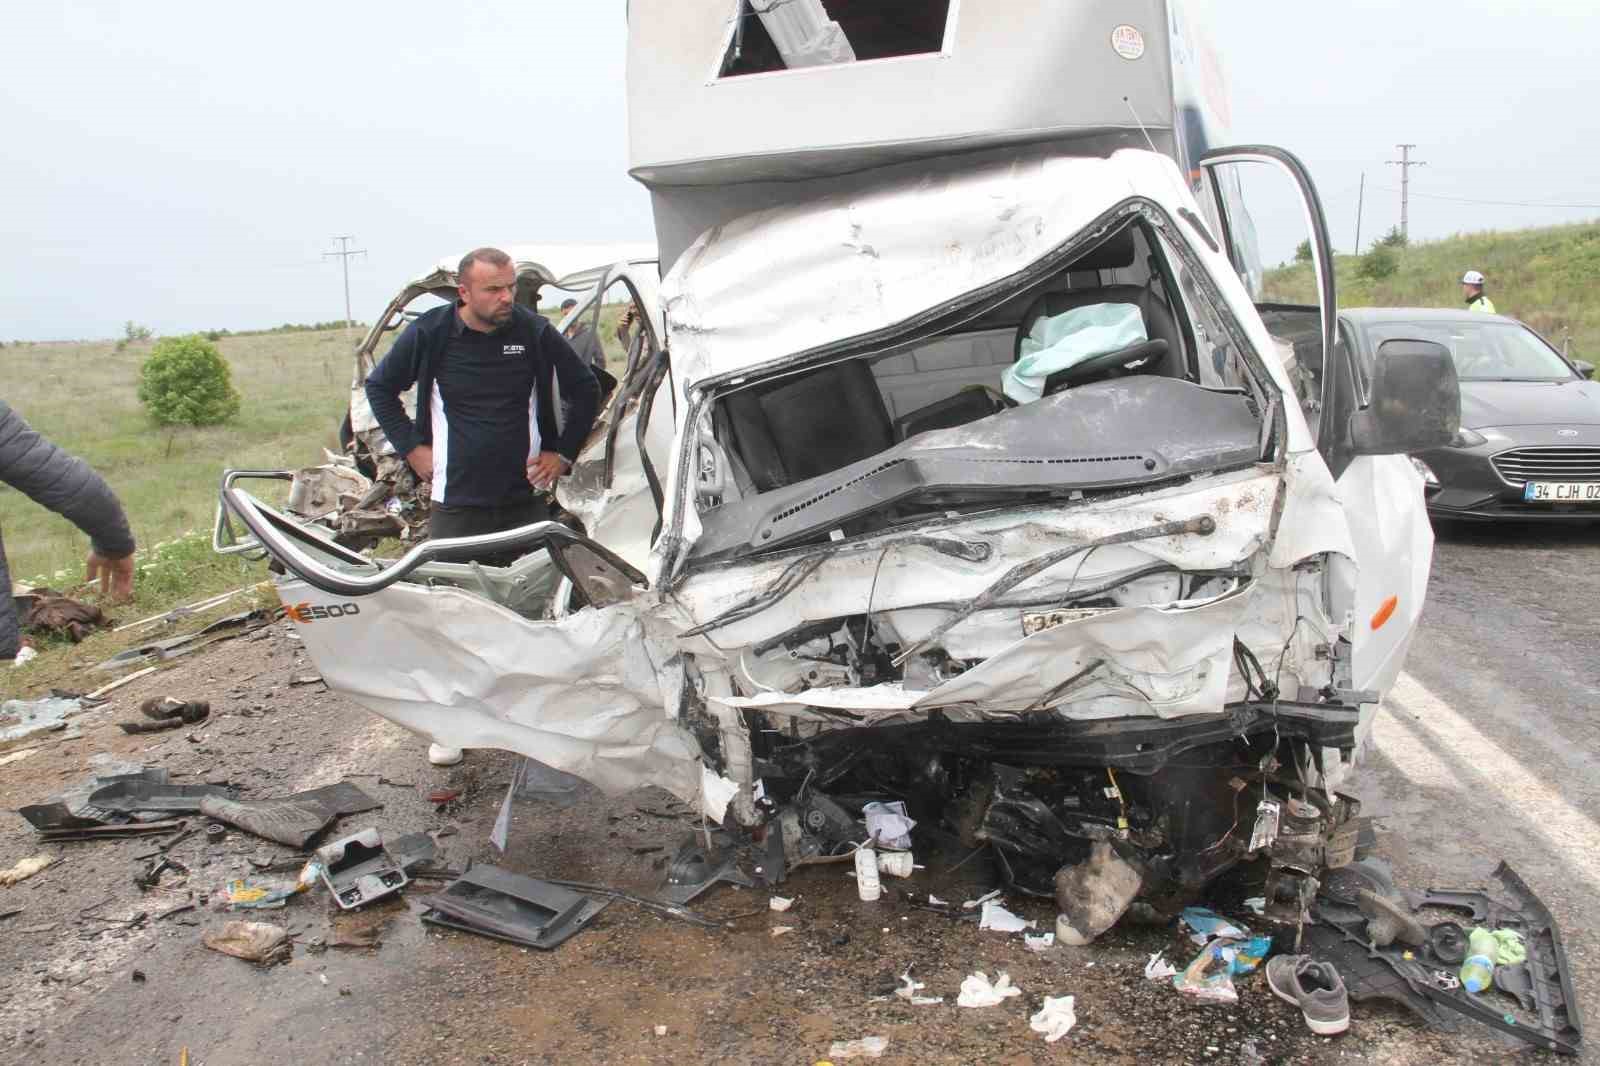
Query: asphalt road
point(1485, 753)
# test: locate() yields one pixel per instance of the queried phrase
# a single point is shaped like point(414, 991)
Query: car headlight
point(1429, 478)
point(1468, 438)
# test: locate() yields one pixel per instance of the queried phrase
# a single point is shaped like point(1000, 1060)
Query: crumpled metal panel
point(1167, 661)
point(593, 694)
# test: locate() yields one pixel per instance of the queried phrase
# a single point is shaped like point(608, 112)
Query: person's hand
point(421, 460)
point(543, 471)
point(115, 576)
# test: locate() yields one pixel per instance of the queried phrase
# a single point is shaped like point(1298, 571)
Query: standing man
point(486, 432)
point(582, 336)
point(1472, 291)
point(68, 486)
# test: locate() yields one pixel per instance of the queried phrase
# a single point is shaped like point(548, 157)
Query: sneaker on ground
point(1315, 987)
point(440, 755)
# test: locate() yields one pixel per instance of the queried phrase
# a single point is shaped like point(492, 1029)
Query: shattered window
point(772, 35)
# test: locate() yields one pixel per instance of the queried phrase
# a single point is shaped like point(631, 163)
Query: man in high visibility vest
point(1472, 291)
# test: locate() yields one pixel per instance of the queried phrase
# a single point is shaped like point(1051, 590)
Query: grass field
point(1548, 278)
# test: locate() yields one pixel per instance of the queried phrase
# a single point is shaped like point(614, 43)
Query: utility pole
point(1405, 163)
point(1361, 202)
point(344, 253)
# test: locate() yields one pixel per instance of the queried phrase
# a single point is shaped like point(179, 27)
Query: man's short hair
point(568, 304)
point(492, 256)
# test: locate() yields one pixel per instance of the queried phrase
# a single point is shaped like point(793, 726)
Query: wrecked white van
point(974, 480)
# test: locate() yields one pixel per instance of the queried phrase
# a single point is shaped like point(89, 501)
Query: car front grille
point(1549, 464)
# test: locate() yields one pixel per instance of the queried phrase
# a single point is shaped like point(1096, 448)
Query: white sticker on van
point(1128, 42)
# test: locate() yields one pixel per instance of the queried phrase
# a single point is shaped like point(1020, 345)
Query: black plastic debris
point(1547, 1014)
point(358, 869)
point(131, 796)
point(73, 814)
point(496, 903)
point(293, 821)
point(697, 867)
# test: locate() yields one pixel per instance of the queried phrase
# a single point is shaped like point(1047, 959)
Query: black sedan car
point(1529, 445)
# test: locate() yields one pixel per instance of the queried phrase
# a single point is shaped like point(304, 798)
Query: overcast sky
point(186, 165)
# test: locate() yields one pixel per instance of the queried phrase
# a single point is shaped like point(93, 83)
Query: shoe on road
point(440, 755)
point(1315, 987)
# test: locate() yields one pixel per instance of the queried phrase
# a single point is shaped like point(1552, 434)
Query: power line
point(1495, 203)
point(344, 253)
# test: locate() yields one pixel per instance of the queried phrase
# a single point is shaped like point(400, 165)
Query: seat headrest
point(1116, 253)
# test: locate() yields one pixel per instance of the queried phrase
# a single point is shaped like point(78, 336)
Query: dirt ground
point(68, 961)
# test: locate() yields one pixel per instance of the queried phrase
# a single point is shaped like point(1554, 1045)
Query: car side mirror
point(1583, 367)
point(1415, 403)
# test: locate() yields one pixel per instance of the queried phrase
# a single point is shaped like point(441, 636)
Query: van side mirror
point(1415, 403)
point(1583, 367)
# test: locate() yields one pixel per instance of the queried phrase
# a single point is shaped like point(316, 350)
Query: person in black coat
point(68, 486)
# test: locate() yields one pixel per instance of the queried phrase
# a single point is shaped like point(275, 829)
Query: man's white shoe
point(440, 755)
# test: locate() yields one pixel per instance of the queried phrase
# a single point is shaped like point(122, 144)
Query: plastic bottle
point(895, 863)
point(1477, 973)
point(868, 887)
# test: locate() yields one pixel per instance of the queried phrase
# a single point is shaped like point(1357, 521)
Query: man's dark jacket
point(416, 355)
point(66, 485)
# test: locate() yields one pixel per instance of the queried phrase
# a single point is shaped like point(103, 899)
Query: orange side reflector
point(1385, 612)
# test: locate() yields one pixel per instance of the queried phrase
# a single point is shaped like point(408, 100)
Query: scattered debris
point(152, 877)
point(661, 1030)
point(896, 863)
point(253, 941)
point(1208, 925)
point(977, 991)
point(185, 611)
point(25, 655)
point(868, 886)
point(293, 820)
point(46, 611)
point(179, 909)
point(358, 869)
point(868, 1047)
point(935, 901)
point(17, 756)
point(888, 825)
point(359, 937)
point(997, 918)
point(250, 893)
point(119, 682)
point(167, 712)
point(172, 647)
point(444, 795)
point(21, 718)
point(11, 913)
point(216, 832)
point(909, 988)
point(305, 679)
point(780, 903)
point(140, 794)
point(1257, 904)
point(781, 930)
point(496, 903)
point(973, 904)
point(1042, 943)
point(1158, 968)
point(26, 868)
point(1055, 1019)
point(696, 867)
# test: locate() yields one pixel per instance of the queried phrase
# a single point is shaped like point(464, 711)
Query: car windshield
point(1483, 351)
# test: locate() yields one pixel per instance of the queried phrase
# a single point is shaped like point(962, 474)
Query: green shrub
point(186, 382)
point(1395, 238)
point(1302, 252)
point(1380, 263)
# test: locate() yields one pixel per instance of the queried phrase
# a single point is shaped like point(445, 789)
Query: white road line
point(1417, 730)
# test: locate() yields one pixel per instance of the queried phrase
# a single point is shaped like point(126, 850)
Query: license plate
point(1561, 492)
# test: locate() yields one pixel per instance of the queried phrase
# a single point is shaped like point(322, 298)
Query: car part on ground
point(292, 820)
point(358, 869)
point(1422, 979)
point(523, 910)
